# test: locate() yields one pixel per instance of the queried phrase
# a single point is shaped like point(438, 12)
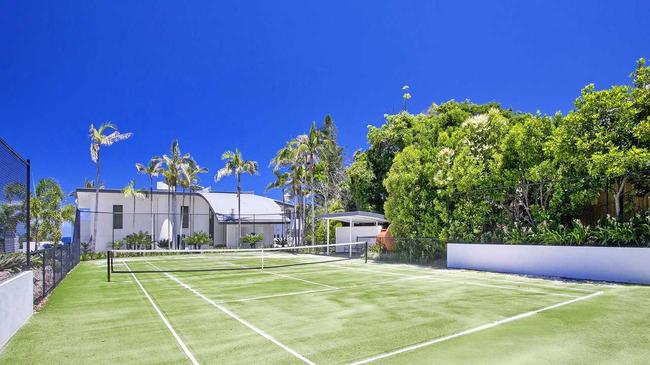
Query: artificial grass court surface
point(333, 313)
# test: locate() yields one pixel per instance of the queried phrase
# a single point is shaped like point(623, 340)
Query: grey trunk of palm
point(313, 214)
point(283, 216)
point(181, 213)
point(169, 209)
point(304, 220)
point(239, 206)
point(175, 209)
point(153, 236)
point(96, 214)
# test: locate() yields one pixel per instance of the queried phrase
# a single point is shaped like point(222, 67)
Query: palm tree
point(152, 170)
point(282, 180)
point(289, 157)
point(235, 164)
point(174, 167)
point(311, 147)
point(98, 138)
point(130, 191)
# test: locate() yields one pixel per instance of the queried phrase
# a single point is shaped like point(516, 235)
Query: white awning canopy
point(356, 217)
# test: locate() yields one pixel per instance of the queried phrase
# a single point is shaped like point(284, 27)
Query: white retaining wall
point(618, 264)
point(16, 304)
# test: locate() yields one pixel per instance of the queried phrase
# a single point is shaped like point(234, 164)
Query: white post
point(350, 241)
point(327, 239)
point(262, 256)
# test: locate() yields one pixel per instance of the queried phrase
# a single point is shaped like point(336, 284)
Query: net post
point(366, 253)
point(350, 250)
point(262, 256)
point(108, 265)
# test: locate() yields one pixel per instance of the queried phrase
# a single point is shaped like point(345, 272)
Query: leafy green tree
point(237, 165)
point(604, 135)
point(48, 211)
point(101, 137)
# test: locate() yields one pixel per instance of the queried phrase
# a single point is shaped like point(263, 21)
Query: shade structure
point(352, 218)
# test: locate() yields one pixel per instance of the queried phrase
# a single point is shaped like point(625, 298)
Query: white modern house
point(214, 213)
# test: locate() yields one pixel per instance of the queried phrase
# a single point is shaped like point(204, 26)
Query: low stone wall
point(16, 304)
point(617, 264)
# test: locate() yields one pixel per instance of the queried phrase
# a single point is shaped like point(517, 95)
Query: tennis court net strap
point(149, 261)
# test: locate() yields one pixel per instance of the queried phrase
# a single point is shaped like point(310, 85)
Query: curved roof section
point(356, 217)
point(254, 208)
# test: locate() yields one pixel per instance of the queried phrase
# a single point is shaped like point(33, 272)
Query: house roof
point(356, 217)
point(254, 208)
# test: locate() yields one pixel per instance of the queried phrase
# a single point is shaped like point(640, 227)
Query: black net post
point(108, 265)
point(365, 254)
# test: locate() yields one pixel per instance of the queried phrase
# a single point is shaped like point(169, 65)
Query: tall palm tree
point(130, 191)
point(174, 167)
point(235, 164)
point(311, 146)
point(101, 137)
point(282, 180)
point(152, 170)
point(290, 158)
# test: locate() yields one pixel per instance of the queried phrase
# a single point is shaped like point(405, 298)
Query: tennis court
point(309, 308)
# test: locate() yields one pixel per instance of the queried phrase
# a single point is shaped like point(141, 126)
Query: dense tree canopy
point(474, 172)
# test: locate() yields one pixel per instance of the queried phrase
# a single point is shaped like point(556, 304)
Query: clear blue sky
point(218, 75)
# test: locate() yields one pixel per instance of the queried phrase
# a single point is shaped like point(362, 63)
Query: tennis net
point(151, 261)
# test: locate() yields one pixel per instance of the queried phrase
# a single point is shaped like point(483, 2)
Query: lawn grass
point(335, 313)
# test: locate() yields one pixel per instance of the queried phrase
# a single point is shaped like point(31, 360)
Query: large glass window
point(185, 213)
point(118, 217)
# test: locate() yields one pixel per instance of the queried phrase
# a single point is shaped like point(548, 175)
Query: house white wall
point(233, 233)
point(163, 223)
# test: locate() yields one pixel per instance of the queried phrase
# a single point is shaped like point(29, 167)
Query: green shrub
point(138, 241)
point(164, 243)
point(252, 239)
point(198, 239)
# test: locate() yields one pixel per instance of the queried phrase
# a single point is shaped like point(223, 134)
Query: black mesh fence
point(14, 191)
point(51, 265)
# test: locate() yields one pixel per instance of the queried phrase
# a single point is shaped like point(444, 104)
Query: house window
point(118, 216)
point(185, 213)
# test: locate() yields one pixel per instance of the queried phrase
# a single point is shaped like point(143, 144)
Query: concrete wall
point(16, 304)
point(618, 264)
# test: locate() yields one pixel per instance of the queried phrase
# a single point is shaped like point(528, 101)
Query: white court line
point(297, 293)
point(299, 279)
point(461, 282)
point(288, 277)
point(239, 319)
point(291, 294)
point(180, 342)
point(473, 330)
